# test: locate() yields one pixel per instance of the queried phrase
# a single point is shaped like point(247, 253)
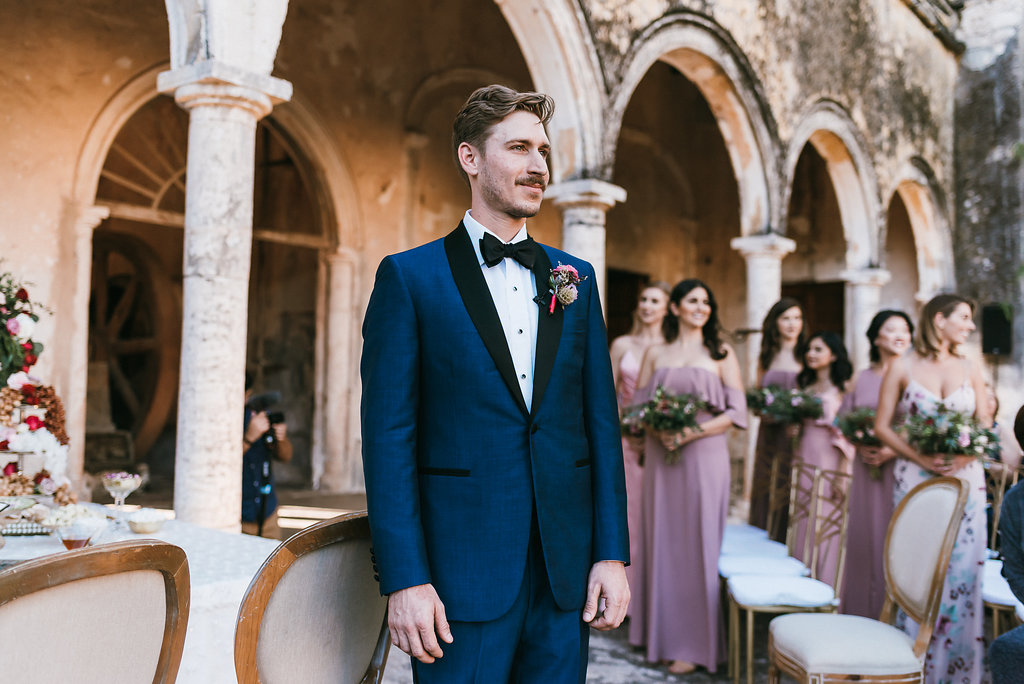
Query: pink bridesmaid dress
point(871, 506)
point(676, 595)
point(629, 371)
point(772, 442)
point(823, 446)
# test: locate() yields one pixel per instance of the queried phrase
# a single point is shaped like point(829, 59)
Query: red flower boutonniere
point(563, 287)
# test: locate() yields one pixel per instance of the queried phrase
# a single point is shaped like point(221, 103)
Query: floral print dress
point(956, 652)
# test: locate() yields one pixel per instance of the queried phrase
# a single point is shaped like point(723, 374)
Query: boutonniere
point(562, 283)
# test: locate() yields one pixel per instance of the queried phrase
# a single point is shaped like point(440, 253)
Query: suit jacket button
point(533, 429)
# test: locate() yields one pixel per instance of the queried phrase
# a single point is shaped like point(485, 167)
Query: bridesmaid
point(781, 335)
point(871, 505)
point(825, 372)
point(937, 372)
point(676, 607)
point(627, 351)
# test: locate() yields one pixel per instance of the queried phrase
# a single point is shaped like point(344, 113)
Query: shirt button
point(520, 331)
point(523, 376)
point(515, 288)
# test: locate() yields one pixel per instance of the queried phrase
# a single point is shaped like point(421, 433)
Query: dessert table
point(221, 565)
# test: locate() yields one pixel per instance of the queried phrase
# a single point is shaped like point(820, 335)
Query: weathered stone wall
point(875, 59)
point(990, 171)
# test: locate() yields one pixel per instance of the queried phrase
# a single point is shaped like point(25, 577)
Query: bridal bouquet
point(858, 427)
point(784, 405)
point(947, 432)
point(664, 412)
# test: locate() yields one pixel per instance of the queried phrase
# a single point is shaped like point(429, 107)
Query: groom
point(490, 432)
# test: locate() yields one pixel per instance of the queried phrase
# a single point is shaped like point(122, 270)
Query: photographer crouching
point(265, 439)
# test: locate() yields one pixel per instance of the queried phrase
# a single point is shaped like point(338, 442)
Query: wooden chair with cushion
point(995, 591)
point(918, 545)
point(114, 613)
point(789, 593)
point(314, 612)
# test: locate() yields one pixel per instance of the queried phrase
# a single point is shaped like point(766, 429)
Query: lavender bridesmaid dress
point(871, 506)
point(771, 441)
point(629, 370)
point(822, 445)
point(676, 607)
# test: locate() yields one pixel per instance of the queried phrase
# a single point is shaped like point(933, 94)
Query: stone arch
point(331, 183)
point(703, 52)
point(922, 195)
point(835, 137)
point(558, 49)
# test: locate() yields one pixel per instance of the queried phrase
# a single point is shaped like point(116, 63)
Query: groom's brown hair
point(488, 106)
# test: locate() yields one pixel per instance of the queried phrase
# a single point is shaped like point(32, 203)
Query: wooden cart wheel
point(135, 327)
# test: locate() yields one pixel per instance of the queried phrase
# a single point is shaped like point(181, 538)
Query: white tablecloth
point(221, 565)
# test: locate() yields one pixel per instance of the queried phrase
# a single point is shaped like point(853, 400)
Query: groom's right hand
point(414, 613)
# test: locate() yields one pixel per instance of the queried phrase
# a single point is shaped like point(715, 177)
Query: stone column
point(342, 466)
point(224, 104)
point(863, 300)
point(584, 204)
point(87, 218)
point(763, 254)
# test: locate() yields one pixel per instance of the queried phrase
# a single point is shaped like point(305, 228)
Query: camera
point(264, 403)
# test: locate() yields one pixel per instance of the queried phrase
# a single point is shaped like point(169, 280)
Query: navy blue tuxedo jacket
point(455, 465)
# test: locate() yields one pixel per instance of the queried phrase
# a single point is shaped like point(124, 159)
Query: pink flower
point(13, 327)
point(964, 438)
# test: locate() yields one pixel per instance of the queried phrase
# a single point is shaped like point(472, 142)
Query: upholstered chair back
point(919, 543)
point(110, 614)
point(319, 610)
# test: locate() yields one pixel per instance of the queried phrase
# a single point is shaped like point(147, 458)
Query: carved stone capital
point(591, 193)
point(213, 83)
point(767, 245)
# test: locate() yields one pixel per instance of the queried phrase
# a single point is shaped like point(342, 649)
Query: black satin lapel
point(477, 297)
point(549, 329)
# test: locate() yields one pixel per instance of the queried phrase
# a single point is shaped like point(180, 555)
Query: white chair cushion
point(843, 644)
point(994, 587)
point(779, 590)
point(730, 566)
point(744, 532)
point(753, 547)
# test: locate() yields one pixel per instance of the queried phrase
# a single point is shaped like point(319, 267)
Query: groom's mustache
point(534, 179)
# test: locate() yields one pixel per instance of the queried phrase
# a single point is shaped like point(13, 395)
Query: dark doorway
point(622, 292)
point(824, 304)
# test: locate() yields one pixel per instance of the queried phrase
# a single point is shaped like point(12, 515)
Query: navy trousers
point(535, 642)
point(1006, 657)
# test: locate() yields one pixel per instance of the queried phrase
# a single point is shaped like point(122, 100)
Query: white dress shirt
point(512, 291)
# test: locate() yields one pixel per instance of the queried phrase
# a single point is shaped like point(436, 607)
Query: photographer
point(265, 438)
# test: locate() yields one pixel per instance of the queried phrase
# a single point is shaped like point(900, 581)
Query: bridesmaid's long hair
point(840, 370)
point(876, 327)
point(770, 342)
point(927, 343)
point(711, 331)
point(656, 284)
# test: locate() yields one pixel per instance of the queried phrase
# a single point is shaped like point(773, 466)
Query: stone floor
point(614, 661)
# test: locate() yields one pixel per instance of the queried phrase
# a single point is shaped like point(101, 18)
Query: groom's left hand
point(607, 581)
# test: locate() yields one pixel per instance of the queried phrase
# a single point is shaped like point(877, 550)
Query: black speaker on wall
point(996, 329)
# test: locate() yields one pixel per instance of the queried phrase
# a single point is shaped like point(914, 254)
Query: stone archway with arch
point(703, 52)
point(831, 132)
point(338, 209)
point(555, 41)
point(922, 196)
point(829, 129)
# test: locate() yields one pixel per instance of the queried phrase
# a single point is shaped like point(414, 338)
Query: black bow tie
point(494, 250)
